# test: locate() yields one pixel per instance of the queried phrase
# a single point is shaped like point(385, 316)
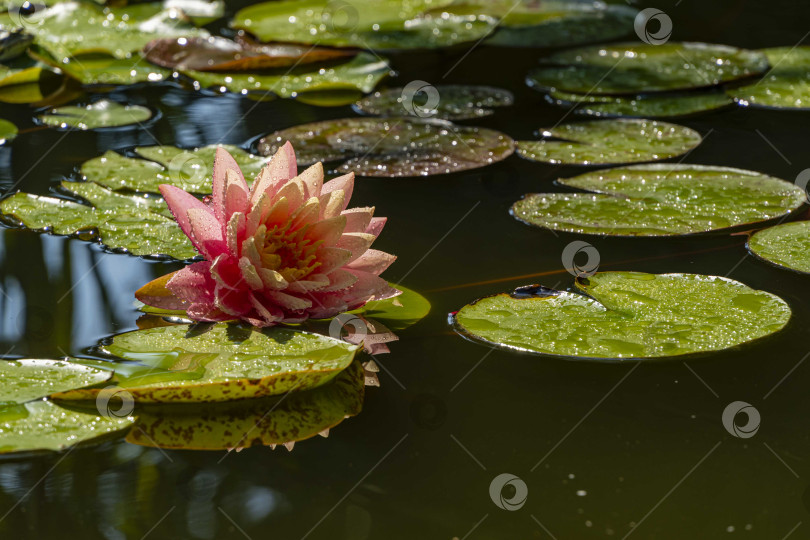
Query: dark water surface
point(602, 448)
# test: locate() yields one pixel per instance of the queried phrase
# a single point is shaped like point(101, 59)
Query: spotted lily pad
point(132, 224)
point(627, 315)
point(601, 142)
point(634, 68)
point(27, 379)
point(8, 131)
point(241, 424)
point(222, 362)
point(390, 147)
point(786, 245)
point(785, 86)
point(368, 24)
point(451, 101)
point(101, 114)
point(44, 425)
point(643, 106)
point(661, 200)
point(190, 170)
point(362, 72)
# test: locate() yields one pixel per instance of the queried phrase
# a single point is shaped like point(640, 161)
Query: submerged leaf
point(643, 106)
point(785, 86)
point(661, 200)
point(627, 315)
point(101, 114)
point(451, 101)
point(241, 424)
point(221, 362)
point(633, 68)
point(392, 147)
point(601, 142)
point(786, 245)
point(27, 379)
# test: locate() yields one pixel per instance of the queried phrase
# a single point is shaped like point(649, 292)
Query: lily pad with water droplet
point(189, 170)
point(129, 223)
point(362, 72)
point(27, 379)
point(785, 86)
point(367, 24)
point(246, 423)
point(452, 102)
point(627, 315)
point(601, 142)
point(222, 362)
point(101, 114)
point(643, 106)
point(635, 68)
point(8, 131)
point(786, 245)
point(44, 425)
point(104, 70)
point(661, 200)
point(392, 147)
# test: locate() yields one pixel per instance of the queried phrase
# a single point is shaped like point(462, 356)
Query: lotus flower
point(282, 251)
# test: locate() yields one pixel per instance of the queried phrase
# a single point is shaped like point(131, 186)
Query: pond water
point(604, 449)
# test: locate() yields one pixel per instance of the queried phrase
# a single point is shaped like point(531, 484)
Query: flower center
point(289, 252)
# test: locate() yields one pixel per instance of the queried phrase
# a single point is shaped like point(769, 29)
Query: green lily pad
point(20, 71)
point(634, 68)
point(362, 72)
point(643, 106)
point(128, 223)
point(601, 142)
point(246, 423)
point(69, 29)
point(221, 362)
point(103, 69)
point(785, 86)
point(367, 24)
point(27, 379)
point(13, 43)
point(101, 114)
point(661, 200)
point(8, 131)
point(627, 315)
point(392, 147)
point(189, 170)
point(786, 245)
point(451, 101)
point(44, 425)
point(399, 312)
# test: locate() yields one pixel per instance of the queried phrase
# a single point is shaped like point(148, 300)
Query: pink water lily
point(285, 250)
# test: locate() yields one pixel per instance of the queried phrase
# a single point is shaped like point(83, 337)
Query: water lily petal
point(312, 179)
point(373, 261)
point(357, 243)
point(179, 203)
point(281, 168)
point(224, 162)
point(206, 232)
point(358, 219)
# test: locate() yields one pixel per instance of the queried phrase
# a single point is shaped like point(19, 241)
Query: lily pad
point(367, 24)
point(13, 43)
point(601, 142)
point(661, 200)
point(786, 245)
point(643, 106)
point(633, 68)
point(20, 72)
point(362, 72)
point(103, 69)
point(399, 312)
point(128, 223)
point(785, 86)
point(627, 315)
point(220, 54)
point(8, 131)
point(101, 114)
point(221, 362)
point(246, 423)
point(27, 379)
point(44, 425)
point(451, 101)
point(392, 147)
point(189, 170)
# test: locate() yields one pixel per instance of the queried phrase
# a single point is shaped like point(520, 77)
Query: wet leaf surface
point(633, 68)
point(27, 379)
point(452, 102)
point(627, 315)
point(105, 70)
point(660, 200)
point(786, 245)
point(785, 86)
point(602, 142)
point(643, 106)
point(100, 114)
point(392, 147)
